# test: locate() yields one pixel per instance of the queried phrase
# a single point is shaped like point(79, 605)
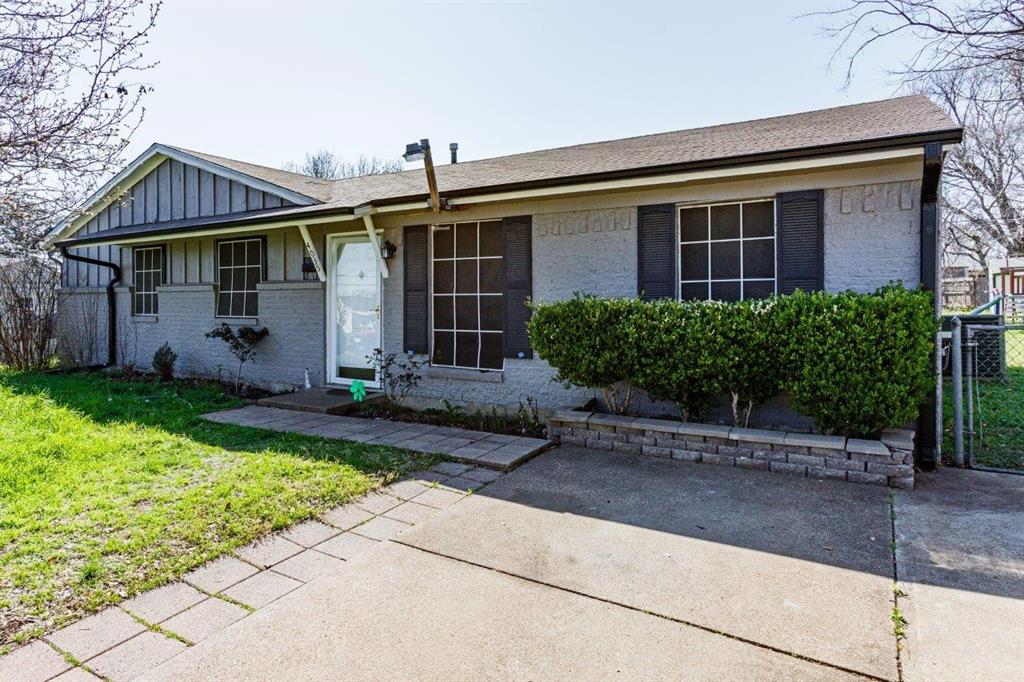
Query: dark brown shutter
point(518, 284)
point(416, 294)
point(656, 251)
point(801, 243)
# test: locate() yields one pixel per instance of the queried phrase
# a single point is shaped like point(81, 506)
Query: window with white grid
point(149, 268)
point(727, 251)
point(239, 270)
point(468, 304)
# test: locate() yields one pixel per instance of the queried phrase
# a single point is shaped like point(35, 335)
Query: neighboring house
point(837, 199)
point(1006, 278)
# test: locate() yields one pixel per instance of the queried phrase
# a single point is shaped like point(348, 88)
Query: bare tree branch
point(327, 165)
point(958, 37)
point(983, 178)
point(70, 99)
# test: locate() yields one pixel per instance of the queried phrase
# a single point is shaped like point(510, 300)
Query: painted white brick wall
point(872, 236)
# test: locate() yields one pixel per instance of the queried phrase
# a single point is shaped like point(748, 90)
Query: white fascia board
point(691, 176)
point(214, 231)
point(238, 176)
point(140, 167)
point(108, 193)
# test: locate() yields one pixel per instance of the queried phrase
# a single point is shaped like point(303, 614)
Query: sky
point(266, 82)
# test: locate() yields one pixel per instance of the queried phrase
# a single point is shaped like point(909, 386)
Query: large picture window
point(239, 270)
point(727, 251)
point(468, 306)
point(150, 268)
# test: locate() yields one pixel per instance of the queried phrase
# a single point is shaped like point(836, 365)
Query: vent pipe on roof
point(454, 147)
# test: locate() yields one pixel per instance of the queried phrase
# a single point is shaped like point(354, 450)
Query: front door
point(353, 309)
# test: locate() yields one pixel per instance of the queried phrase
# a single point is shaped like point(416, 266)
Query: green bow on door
point(358, 390)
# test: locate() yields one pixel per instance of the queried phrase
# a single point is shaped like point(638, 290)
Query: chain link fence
point(987, 394)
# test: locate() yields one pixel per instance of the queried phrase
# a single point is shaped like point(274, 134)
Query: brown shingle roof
point(890, 122)
point(855, 123)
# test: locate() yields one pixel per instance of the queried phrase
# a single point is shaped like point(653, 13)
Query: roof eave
point(106, 194)
point(176, 228)
point(949, 136)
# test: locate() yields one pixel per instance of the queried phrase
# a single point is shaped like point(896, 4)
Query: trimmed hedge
point(855, 363)
point(859, 364)
point(586, 340)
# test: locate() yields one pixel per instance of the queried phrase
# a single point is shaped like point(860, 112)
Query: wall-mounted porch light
point(388, 250)
point(308, 269)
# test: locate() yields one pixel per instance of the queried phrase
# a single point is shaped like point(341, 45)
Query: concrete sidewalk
point(586, 564)
point(960, 561)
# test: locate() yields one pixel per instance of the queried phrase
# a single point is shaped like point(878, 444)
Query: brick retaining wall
point(889, 461)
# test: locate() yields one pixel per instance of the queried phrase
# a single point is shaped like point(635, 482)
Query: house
point(842, 198)
point(1006, 277)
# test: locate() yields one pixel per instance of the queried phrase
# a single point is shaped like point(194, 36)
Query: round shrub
point(585, 339)
point(856, 363)
point(674, 360)
point(743, 339)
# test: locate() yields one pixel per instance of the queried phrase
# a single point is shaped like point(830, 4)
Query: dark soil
point(524, 422)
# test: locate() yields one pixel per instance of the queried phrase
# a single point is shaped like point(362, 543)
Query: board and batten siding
point(172, 191)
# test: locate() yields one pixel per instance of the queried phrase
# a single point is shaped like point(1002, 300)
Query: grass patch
point(999, 415)
point(111, 487)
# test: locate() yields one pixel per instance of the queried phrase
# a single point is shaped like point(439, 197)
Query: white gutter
point(214, 231)
point(690, 176)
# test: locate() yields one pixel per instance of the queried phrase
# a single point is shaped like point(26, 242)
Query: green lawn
point(109, 487)
point(1000, 413)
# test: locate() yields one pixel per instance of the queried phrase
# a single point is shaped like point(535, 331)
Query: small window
point(727, 251)
point(239, 270)
point(150, 268)
point(468, 300)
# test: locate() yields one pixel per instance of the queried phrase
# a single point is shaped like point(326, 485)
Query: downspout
point(111, 300)
point(929, 419)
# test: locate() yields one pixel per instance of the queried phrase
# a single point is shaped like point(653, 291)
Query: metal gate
point(987, 382)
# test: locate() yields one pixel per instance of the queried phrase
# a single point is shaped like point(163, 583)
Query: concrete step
point(320, 400)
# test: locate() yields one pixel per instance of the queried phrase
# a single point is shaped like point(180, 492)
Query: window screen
point(727, 251)
point(239, 270)
point(468, 304)
point(148, 266)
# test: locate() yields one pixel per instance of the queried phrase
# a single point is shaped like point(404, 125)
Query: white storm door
point(353, 309)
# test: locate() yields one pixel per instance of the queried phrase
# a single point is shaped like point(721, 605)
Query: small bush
point(397, 377)
point(743, 339)
point(674, 361)
point(586, 340)
point(163, 362)
point(242, 343)
point(858, 364)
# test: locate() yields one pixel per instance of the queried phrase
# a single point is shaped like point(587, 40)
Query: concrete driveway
point(586, 564)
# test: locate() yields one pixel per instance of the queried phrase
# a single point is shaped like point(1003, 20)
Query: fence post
point(958, 391)
point(972, 372)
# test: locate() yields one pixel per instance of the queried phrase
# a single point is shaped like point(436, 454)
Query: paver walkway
point(492, 450)
point(122, 642)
